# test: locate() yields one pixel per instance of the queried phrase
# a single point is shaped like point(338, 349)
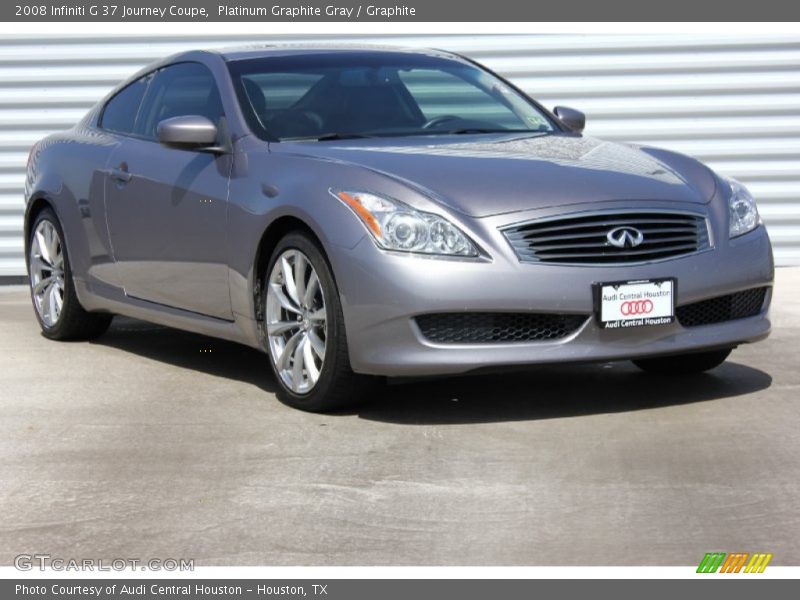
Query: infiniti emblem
point(625, 237)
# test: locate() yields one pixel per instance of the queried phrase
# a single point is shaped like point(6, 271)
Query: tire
point(684, 364)
point(56, 305)
point(324, 381)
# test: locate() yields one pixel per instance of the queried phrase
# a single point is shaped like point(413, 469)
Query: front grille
point(583, 239)
point(722, 308)
point(486, 328)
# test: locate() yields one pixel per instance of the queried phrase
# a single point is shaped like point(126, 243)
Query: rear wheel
point(304, 323)
point(684, 364)
point(57, 308)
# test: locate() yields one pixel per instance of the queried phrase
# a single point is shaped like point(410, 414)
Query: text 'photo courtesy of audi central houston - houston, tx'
point(361, 213)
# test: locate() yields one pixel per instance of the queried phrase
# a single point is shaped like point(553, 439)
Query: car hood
point(482, 175)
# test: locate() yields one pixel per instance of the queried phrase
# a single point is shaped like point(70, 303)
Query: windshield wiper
point(342, 136)
point(469, 130)
point(355, 136)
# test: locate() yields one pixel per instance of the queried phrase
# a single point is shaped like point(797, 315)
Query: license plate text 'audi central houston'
point(362, 213)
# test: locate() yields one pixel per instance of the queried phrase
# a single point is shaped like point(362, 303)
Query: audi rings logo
point(636, 307)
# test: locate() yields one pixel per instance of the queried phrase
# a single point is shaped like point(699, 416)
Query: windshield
point(355, 94)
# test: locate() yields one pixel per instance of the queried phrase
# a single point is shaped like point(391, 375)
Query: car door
point(167, 207)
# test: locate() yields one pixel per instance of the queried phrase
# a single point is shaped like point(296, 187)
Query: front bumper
point(382, 292)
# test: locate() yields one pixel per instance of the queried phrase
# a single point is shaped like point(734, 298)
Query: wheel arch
point(36, 205)
point(273, 234)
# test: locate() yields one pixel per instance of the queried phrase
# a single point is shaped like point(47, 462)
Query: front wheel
point(306, 338)
point(684, 364)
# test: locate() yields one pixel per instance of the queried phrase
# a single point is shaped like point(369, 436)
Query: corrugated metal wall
point(732, 101)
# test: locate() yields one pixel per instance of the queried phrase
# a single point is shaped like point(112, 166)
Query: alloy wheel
point(47, 273)
point(296, 321)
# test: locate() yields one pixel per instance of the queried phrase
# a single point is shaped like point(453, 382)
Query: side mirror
point(575, 120)
point(190, 132)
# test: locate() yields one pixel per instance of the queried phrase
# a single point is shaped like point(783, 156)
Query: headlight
point(742, 209)
point(395, 225)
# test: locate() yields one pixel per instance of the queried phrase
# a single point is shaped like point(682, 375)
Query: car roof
point(267, 50)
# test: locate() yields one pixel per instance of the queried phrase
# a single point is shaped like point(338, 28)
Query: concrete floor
point(156, 443)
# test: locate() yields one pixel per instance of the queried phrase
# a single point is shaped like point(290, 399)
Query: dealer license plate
point(635, 303)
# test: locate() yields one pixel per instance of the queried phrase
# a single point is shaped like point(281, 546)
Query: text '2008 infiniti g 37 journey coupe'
point(358, 212)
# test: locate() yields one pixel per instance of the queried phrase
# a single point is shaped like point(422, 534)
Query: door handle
point(121, 174)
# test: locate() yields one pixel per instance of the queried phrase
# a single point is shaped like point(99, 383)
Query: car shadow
point(538, 392)
point(190, 351)
point(555, 391)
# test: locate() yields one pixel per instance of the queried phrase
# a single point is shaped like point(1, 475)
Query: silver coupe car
point(360, 213)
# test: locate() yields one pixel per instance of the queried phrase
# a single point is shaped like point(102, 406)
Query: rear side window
point(120, 112)
point(176, 91)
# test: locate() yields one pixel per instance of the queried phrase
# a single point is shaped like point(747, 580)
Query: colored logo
point(625, 237)
point(636, 307)
point(736, 562)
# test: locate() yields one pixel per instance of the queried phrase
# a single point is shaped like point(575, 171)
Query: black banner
point(394, 589)
point(397, 11)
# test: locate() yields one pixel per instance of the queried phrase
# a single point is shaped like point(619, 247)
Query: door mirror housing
point(575, 120)
point(189, 132)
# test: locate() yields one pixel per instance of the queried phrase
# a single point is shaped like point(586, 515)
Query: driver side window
point(179, 90)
